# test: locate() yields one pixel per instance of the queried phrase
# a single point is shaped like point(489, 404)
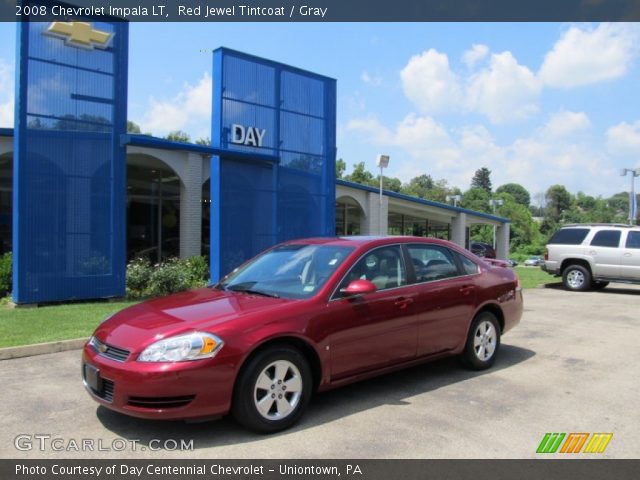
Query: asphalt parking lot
point(570, 366)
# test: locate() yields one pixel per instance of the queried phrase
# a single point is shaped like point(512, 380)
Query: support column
point(372, 225)
point(502, 241)
point(191, 207)
point(459, 229)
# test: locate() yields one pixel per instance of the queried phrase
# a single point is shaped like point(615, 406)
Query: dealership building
point(79, 196)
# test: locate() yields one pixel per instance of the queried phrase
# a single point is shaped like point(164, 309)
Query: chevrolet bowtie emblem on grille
point(80, 34)
point(103, 348)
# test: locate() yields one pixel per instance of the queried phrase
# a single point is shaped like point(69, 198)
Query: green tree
point(133, 127)
point(341, 166)
point(482, 179)
point(518, 192)
point(360, 175)
point(477, 199)
point(178, 136)
point(558, 200)
point(419, 186)
point(206, 141)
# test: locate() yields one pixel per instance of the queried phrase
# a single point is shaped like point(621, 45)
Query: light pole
point(382, 161)
point(495, 202)
point(455, 198)
point(635, 172)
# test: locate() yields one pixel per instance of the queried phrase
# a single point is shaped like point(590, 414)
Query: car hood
point(203, 309)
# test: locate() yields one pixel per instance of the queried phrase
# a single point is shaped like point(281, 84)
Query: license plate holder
point(92, 378)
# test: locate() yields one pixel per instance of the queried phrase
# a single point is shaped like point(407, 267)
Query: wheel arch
point(575, 261)
point(300, 344)
point(495, 309)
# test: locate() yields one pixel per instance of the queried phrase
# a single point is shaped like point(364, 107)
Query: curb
point(41, 348)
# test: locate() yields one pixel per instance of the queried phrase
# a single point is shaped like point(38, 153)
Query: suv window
point(606, 238)
point(569, 236)
point(432, 262)
point(633, 240)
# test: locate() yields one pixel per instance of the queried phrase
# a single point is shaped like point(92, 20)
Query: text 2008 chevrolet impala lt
point(304, 316)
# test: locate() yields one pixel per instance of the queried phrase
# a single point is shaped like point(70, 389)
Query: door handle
point(403, 302)
point(626, 254)
point(467, 289)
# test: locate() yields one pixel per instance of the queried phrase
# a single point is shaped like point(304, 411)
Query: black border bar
point(339, 10)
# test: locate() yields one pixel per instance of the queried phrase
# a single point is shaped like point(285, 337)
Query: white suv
point(591, 256)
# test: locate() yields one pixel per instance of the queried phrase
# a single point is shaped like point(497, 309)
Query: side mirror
point(359, 287)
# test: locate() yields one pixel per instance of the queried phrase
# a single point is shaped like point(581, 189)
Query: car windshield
point(289, 271)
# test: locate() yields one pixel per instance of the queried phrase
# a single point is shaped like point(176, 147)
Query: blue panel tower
point(69, 171)
point(283, 120)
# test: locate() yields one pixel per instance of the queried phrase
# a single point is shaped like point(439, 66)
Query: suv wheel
point(576, 278)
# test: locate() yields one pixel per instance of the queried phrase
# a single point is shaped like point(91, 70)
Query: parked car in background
point(592, 255)
point(512, 263)
point(483, 250)
point(304, 316)
point(534, 261)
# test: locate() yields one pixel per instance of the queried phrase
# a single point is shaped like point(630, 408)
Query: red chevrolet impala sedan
point(304, 316)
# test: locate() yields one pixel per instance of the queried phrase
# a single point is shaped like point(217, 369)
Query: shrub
point(199, 270)
point(171, 276)
point(138, 275)
point(6, 279)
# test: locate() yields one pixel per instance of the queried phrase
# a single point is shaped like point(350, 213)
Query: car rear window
point(606, 238)
point(569, 236)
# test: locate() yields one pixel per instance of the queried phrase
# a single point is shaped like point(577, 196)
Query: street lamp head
point(382, 161)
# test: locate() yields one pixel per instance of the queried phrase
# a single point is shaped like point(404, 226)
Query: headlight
point(193, 346)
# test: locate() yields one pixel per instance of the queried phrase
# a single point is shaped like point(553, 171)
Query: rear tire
point(576, 278)
point(483, 342)
point(273, 390)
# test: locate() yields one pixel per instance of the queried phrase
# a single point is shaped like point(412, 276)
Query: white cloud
point(428, 82)
point(565, 123)
point(587, 55)
point(189, 110)
point(476, 53)
point(624, 139)
point(6, 94)
point(505, 91)
point(369, 79)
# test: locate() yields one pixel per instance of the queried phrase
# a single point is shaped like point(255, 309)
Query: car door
point(374, 330)
point(446, 296)
point(630, 256)
point(604, 248)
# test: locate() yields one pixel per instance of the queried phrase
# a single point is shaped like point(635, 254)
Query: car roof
point(369, 240)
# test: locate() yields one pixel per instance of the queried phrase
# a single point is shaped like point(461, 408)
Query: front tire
point(483, 342)
point(273, 390)
point(576, 278)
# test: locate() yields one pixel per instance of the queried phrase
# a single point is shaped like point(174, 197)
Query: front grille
point(160, 403)
point(109, 351)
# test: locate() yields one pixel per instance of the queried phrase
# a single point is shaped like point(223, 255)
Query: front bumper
point(181, 390)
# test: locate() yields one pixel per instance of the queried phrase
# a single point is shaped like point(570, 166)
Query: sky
point(536, 103)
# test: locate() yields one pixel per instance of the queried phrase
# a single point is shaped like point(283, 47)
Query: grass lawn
point(26, 326)
point(532, 277)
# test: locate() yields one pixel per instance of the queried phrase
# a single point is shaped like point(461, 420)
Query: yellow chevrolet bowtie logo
point(80, 34)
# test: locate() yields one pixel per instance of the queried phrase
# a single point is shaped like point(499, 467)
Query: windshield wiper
point(240, 288)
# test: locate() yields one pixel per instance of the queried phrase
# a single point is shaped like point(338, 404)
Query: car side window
point(606, 238)
point(382, 266)
point(633, 240)
point(469, 267)
point(432, 262)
